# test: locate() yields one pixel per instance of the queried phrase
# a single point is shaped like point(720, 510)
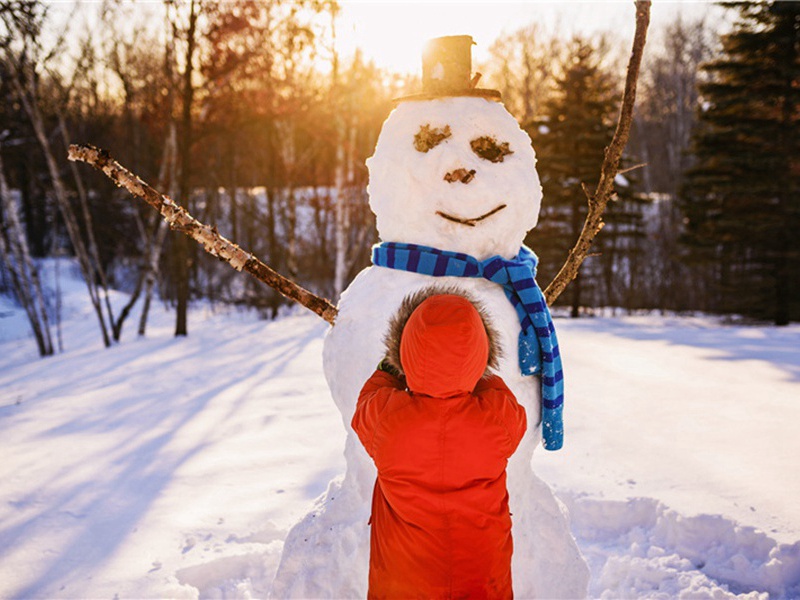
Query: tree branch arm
point(215, 244)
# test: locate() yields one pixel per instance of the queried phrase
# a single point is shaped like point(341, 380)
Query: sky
point(393, 33)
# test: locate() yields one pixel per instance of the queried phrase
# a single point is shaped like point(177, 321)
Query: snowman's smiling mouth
point(470, 222)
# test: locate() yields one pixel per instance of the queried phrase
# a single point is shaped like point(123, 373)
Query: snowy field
point(173, 468)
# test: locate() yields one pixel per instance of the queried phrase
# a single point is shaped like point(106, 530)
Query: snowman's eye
point(429, 137)
point(489, 149)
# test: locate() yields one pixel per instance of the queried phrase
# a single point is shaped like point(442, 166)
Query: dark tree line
point(741, 198)
point(576, 125)
point(245, 113)
point(710, 222)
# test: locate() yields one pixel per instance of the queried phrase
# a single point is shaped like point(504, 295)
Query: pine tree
point(570, 139)
point(742, 199)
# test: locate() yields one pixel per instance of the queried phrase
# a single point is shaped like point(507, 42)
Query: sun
point(393, 34)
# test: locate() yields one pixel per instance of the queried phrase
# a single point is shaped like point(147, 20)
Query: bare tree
point(145, 67)
point(24, 275)
point(521, 68)
point(155, 239)
point(661, 137)
point(25, 58)
point(185, 137)
point(667, 113)
point(347, 192)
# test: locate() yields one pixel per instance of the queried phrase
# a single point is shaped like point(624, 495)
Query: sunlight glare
point(393, 33)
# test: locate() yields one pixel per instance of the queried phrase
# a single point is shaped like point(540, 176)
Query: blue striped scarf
point(538, 345)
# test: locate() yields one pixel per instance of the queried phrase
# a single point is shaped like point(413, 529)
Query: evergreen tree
point(742, 199)
point(570, 138)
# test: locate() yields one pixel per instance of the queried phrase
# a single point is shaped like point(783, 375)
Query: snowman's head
point(455, 173)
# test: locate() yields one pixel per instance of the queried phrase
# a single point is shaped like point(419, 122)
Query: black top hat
point(447, 70)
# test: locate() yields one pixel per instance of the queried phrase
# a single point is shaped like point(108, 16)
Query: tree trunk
point(28, 99)
point(181, 255)
point(272, 239)
point(342, 224)
point(346, 253)
point(155, 239)
point(152, 272)
point(88, 225)
point(24, 275)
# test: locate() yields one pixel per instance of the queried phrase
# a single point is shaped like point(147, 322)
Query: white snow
point(160, 467)
point(169, 467)
point(407, 187)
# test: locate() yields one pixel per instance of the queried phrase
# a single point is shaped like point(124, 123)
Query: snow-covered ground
point(169, 467)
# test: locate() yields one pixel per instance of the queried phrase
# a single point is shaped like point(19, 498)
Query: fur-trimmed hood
point(410, 303)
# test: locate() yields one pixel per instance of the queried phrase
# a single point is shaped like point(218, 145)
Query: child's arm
point(508, 411)
point(372, 400)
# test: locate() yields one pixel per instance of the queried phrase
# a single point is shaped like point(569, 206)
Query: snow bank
point(685, 410)
point(641, 548)
point(175, 468)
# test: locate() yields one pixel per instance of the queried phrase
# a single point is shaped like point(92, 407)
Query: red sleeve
point(372, 400)
point(507, 410)
point(492, 382)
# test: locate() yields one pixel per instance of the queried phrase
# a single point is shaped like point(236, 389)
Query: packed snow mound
point(641, 548)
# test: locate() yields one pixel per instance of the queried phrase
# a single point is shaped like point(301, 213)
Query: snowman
point(452, 170)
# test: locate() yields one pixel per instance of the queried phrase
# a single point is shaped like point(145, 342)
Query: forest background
point(249, 114)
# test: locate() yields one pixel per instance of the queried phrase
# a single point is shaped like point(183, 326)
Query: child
point(440, 431)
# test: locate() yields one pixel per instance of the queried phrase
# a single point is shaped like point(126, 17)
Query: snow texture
point(173, 468)
point(407, 187)
point(408, 193)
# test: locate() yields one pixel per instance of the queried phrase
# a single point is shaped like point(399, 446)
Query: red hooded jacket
point(440, 521)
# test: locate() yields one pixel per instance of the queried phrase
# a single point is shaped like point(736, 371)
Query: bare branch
point(610, 168)
point(180, 220)
point(633, 168)
point(586, 191)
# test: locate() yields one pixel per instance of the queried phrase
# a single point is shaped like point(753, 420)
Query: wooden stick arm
point(215, 244)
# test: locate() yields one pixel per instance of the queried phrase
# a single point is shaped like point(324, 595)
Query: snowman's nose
point(461, 175)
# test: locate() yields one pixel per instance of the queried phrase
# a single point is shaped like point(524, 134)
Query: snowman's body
point(327, 554)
